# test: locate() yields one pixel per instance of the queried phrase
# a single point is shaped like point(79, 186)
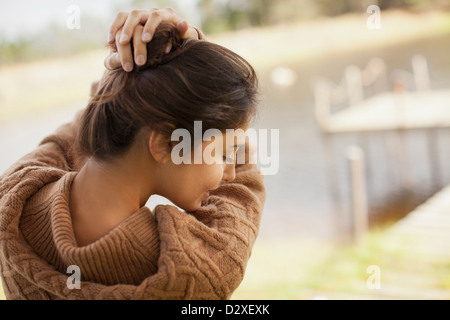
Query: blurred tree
point(14, 51)
point(338, 7)
point(415, 4)
point(149, 4)
point(55, 40)
point(220, 15)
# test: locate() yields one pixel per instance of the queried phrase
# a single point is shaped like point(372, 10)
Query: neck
point(121, 183)
point(104, 194)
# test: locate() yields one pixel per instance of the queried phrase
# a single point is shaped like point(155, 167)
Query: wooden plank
point(390, 111)
point(428, 226)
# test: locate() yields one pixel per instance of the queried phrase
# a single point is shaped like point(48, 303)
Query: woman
point(78, 201)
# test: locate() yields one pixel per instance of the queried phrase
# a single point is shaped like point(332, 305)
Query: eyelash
point(230, 160)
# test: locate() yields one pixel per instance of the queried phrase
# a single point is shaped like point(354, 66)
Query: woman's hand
point(139, 26)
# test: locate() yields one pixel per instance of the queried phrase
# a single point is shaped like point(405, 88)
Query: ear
point(159, 147)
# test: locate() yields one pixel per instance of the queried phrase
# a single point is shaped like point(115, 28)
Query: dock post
point(355, 155)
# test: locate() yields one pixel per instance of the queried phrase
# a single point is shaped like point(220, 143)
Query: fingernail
point(146, 36)
point(123, 37)
point(140, 60)
point(128, 67)
point(110, 37)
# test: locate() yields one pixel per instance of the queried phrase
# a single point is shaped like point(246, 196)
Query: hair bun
point(166, 36)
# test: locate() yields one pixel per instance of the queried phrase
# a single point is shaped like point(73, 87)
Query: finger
point(113, 61)
point(125, 55)
point(170, 16)
point(140, 48)
point(116, 25)
point(155, 19)
point(135, 18)
point(191, 33)
point(183, 27)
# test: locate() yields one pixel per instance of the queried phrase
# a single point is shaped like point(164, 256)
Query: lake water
point(300, 200)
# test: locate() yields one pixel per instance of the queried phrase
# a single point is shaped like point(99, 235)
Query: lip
point(206, 194)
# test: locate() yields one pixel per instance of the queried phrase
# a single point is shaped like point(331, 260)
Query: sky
point(26, 17)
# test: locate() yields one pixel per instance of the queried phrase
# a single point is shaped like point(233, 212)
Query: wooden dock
point(393, 111)
point(405, 102)
point(371, 102)
point(429, 227)
point(412, 257)
point(420, 269)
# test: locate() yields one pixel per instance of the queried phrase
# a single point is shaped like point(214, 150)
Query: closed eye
point(230, 160)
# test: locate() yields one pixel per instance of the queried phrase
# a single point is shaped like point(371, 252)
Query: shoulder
point(45, 195)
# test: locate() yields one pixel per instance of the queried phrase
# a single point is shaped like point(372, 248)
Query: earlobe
point(158, 146)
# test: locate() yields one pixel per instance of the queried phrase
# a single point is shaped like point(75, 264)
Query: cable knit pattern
point(165, 254)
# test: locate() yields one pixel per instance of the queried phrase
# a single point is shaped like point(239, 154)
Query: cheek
point(190, 184)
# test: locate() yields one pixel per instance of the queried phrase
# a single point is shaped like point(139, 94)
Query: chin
point(191, 206)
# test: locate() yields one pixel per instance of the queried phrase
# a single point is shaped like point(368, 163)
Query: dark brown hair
point(197, 81)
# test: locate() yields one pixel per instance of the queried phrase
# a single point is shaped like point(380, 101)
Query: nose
point(229, 173)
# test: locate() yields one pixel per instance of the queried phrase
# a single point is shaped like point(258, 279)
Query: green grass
point(299, 269)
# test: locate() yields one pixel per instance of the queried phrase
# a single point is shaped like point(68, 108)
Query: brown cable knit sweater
point(165, 254)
